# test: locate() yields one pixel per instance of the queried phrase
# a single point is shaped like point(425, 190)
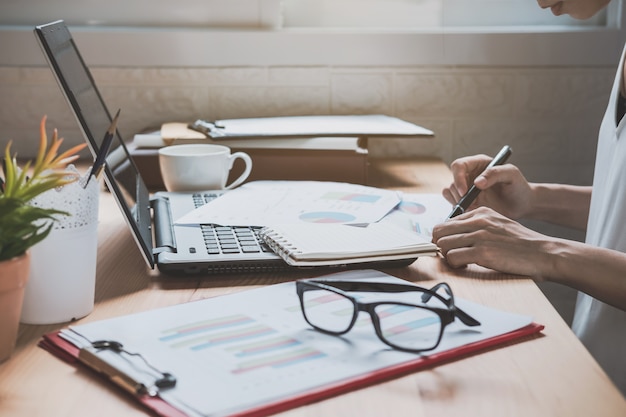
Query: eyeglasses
point(406, 324)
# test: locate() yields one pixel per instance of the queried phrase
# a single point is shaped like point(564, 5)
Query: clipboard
point(161, 403)
point(361, 126)
point(66, 351)
point(53, 343)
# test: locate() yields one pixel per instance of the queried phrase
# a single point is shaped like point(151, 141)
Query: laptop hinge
point(163, 226)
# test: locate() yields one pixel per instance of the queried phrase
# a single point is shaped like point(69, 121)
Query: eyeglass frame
point(447, 316)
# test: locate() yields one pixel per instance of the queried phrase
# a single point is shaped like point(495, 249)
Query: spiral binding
point(280, 246)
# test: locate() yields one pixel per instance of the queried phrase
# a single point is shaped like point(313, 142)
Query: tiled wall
point(550, 116)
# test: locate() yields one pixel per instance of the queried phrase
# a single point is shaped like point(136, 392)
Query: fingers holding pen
point(503, 188)
point(499, 174)
point(451, 194)
point(465, 169)
point(486, 179)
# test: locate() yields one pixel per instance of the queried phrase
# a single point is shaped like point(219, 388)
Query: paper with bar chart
point(262, 203)
point(253, 348)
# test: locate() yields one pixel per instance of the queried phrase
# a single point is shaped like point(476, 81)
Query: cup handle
point(246, 173)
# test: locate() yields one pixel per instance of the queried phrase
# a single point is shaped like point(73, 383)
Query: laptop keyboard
point(228, 239)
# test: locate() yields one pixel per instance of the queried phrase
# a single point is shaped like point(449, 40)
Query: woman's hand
point(487, 238)
point(503, 187)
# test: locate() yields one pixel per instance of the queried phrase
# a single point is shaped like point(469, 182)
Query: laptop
point(174, 249)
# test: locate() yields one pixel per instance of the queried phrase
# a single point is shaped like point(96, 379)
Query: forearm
point(565, 205)
point(598, 272)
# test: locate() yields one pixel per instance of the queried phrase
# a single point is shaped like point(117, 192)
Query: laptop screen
point(81, 93)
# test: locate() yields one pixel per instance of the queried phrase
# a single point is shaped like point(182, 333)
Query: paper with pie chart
point(419, 213)
point(263, 203)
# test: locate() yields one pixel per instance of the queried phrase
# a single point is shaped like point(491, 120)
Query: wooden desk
point(548, 375)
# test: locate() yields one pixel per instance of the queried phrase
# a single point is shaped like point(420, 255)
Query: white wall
point(549, 115)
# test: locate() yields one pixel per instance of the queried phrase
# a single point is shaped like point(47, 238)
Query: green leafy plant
point(23, 225)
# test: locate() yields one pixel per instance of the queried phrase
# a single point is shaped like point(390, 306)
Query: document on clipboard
point(252, 353)
point(368, 125)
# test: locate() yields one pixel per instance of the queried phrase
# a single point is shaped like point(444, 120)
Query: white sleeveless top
point(600, 327)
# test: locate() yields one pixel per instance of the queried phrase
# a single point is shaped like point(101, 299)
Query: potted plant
point(23, 225)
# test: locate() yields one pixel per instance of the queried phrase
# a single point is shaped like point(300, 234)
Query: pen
point(473, 192)
point(98, 164)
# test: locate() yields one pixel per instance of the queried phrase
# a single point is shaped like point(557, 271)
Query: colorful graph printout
point(264, 203)
point(411, 207)
point(344, 196)
point(419, 213)
point(281, 359)
point(252, 348)
point(253, 345)
point(327, 217)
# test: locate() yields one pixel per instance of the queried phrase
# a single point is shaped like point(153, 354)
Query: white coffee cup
point(198, 167)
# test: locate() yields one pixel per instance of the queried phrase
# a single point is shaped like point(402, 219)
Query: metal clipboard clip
point(206, 127)
point(91, 356)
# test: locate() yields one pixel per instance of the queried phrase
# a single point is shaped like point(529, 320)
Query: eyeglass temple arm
point(458, 312)
point(395, 287)
point(465, 318)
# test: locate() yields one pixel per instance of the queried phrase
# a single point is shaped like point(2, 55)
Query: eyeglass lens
point(405, 327)
point(328, 310)
point(409, 327)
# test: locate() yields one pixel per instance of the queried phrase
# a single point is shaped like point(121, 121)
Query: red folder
point(63, 349)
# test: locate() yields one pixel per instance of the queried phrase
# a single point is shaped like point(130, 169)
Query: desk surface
point(546, 375)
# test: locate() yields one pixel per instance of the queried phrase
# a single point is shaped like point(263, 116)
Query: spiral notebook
point(314, 244)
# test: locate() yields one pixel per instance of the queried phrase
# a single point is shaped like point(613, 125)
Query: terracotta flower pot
point(13, 277)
